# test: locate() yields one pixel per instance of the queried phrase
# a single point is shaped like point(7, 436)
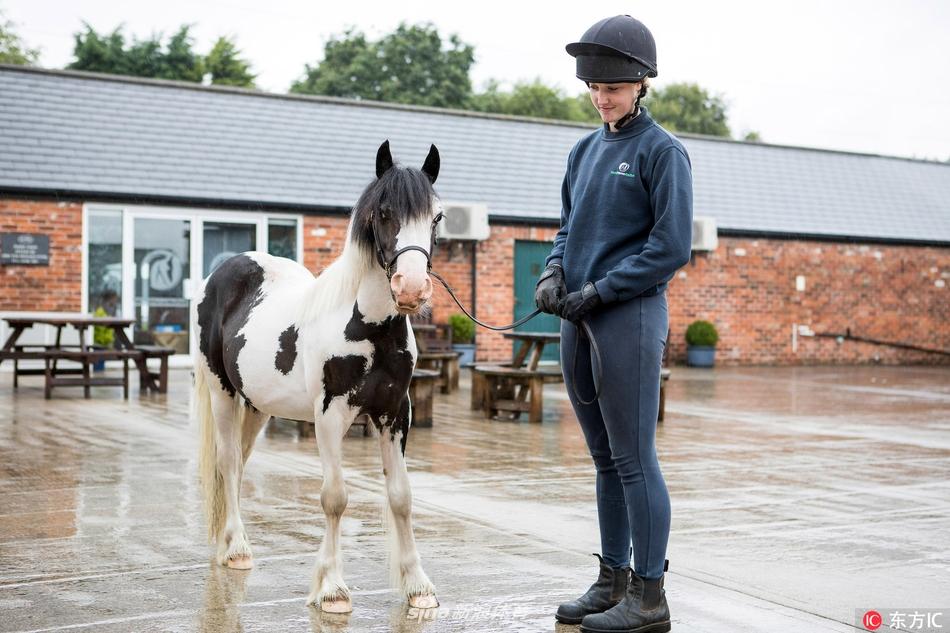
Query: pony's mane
point(408, 193)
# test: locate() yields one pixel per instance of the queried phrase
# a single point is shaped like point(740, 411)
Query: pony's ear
point(431, 166)
point(384, 159)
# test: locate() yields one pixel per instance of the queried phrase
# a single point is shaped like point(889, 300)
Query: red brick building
point(122, 174)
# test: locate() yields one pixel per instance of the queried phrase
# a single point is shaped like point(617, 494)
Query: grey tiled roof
point(72, 132)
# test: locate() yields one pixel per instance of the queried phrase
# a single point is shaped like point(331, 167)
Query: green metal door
point(529, 262)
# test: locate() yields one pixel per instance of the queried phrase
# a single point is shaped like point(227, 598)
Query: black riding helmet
point(615, 50)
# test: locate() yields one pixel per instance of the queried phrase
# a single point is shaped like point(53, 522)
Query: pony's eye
point(438, 218)
point(384, 213)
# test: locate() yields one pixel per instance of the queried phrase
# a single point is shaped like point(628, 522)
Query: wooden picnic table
point(534, 343)
point(83, 353)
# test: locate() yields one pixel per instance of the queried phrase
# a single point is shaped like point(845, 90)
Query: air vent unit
point(464, 221)
point(705, 237)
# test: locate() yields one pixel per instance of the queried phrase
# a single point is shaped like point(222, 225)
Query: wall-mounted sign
point(24, 248)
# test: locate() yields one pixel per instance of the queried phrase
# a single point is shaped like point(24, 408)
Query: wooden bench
point(54, 378)
point(33, 352)
point(157, 380)
point(446, 363)
point(498, 388)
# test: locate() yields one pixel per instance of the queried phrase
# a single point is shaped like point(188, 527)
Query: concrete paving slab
point(801, 497)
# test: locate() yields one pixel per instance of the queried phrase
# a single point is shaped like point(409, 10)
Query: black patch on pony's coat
point(287, 350)
point(382, 389)
point(232, 291)
point(340, 374)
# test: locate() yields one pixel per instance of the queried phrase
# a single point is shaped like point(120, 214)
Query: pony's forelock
point(406, 192)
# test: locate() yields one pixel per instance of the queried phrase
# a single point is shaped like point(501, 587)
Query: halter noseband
point(381, 256)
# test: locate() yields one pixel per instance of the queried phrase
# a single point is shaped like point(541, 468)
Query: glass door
point(161, 279)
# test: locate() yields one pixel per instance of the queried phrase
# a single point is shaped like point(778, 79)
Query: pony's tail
point(212, 485)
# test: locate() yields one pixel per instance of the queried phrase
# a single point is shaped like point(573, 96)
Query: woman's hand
point(579, 304)
point(550, 289)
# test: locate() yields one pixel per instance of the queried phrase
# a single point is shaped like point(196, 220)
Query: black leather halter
point(388, 266)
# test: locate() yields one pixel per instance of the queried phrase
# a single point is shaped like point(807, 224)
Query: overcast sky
point(858, 75)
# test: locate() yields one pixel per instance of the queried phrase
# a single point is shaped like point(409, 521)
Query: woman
point(626, 227)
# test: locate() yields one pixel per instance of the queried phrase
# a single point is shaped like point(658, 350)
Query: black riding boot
point(603, 594)
point(642, 610)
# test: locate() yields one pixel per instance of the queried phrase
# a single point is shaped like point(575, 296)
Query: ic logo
point(872, 620)
point(623, 167)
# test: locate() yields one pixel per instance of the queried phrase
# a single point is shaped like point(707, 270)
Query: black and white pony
point(276, 341)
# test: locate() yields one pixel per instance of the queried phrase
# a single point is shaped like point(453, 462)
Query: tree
point(410, 65)
point(752, 137)
point(180, 61)
point(144, 58)
point(12, 49)
point(533, 98)
point(226, 66)
point(96, 53)
point(686, 107)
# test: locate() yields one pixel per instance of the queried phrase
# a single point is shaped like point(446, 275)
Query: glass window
point(223, 241)
point(282, 238)
point(105, 262)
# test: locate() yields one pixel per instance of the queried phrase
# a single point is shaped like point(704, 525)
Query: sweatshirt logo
point(623, 170)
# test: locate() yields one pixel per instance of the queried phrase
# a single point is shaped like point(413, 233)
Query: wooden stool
point(421, 394)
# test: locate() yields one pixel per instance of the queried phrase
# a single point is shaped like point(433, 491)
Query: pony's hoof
point(424, 601)
point(339, 605)
point(240, 562)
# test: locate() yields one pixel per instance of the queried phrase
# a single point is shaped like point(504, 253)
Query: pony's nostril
point(397, 283)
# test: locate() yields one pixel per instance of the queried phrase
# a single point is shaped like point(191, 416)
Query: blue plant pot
point(700, 355)
point(99, 365)
point(468, 353)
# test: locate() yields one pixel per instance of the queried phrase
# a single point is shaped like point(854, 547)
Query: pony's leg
point(254, 420)
point(327, 590)
point(231, 416)
point(405, 569)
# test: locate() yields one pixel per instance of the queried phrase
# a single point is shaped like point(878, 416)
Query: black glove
point(550, 289)
point(579, 304)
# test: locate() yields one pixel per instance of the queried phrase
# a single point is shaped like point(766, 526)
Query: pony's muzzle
point(410, 293)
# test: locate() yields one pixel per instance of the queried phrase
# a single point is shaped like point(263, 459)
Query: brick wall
point(323, 240)
point(53, 288)
point(747, 288)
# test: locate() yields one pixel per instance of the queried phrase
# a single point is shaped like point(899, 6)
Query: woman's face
point(613, 101)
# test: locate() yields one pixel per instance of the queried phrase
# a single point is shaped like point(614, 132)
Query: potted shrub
point(101, 337)
point(463, 337)
point(701, 338)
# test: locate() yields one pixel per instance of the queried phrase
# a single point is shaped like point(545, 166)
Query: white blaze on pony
point(276, 341)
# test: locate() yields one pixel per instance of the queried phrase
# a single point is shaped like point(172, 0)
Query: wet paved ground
point(800, 495)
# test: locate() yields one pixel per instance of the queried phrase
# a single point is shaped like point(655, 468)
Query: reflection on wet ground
point(800, 497)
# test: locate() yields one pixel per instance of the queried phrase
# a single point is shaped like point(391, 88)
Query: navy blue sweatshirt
point(627, 211)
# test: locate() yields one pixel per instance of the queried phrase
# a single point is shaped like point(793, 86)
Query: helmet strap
point(630, 116)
